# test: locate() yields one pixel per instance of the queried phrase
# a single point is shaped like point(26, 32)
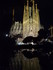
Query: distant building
point(30, 25)
point(51, 31)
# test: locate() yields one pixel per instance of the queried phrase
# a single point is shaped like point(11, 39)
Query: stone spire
point(33, 8)
point(27, 6)
point(24, 14)
point(37, 18)
point(13, 15)
point(36, 8)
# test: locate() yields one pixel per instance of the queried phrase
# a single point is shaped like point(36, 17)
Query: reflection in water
point(20, 62)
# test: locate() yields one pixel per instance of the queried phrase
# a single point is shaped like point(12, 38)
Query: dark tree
point(43, 33)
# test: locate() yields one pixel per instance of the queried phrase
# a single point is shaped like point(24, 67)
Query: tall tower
point(26, 20)
point(30, 20)
point(36, 20)
point(13, 15)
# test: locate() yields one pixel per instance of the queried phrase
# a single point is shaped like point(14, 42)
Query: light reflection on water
point(20, 62)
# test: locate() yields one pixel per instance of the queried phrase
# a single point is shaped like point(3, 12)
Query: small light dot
point(6, 35)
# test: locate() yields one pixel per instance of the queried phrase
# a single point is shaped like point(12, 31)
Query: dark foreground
point(37, 57)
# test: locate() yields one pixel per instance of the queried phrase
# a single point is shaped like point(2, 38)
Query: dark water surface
point(20, 62)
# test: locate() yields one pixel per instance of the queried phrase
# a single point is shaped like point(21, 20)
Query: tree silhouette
point(28, 39)
point(42, 33)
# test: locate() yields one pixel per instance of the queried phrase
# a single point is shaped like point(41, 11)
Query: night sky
point(45, 10)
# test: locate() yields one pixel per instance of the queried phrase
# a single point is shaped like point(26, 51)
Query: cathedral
point(30, 25)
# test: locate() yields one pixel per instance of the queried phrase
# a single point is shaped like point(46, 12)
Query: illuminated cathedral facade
point(30, 25)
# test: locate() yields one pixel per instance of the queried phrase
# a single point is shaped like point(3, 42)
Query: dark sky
point(45, 10)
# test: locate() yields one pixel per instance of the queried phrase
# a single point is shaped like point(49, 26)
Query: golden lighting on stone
point(31, 22)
